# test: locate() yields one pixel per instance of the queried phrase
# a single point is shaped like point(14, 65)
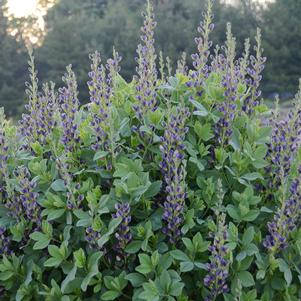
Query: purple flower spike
point(25, 203)
point(15, 207)
point(69, 105)
point(4, 242)
point(146, 78)
point(28, 197)
point(123, 234)
point(284, 144)
point(173, 169)
point(182, 68)
point(4, 154)
point(101, 86)
point(254, 72)
point(230, 81)
point(200, 59)
point(218, 268)
point(92, 237)
point(39, 122)
point(284, 221)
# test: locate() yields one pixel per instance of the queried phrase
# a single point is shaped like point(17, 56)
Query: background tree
point(282, 43)
point(12, 66)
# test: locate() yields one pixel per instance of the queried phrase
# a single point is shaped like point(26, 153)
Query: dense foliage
point(169, 187)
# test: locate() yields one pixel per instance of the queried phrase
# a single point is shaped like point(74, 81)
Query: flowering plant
point(165, 188)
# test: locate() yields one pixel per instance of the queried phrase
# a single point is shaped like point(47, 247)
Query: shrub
point(164, 188)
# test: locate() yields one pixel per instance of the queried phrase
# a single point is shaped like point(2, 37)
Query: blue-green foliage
point(170, 187)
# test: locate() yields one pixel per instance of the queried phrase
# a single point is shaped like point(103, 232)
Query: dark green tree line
point(282, 42)
point(12, 67)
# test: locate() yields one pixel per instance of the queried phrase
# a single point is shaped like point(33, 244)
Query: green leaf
point(189, 221)
point(112, 226)
point(233, 232)
point(54, 201)
point(133, 247)
point(110, 295)
point(155, 117)
point(52, 262)
point(114, 223)
point(288, 276)
point(30, 266)
point(87, 279)
point(201, 110)
point(251, 249)
point(116, 283)
point(283, 267)
point(179, 255)
point(84, 217)
point(153, 189)
point(246, 278)
point(18, 231)
point(109, 282)
point(47, 228)
point(165, 262)
point(37, 148)
point(54, 251)
point(58, 185)
point(100, 155)
point(200, 265)
point(251, 215)
point(234, 141)
point(68, 279)
point(197, 162)
point(186, 266)
point(278, 283)
point(264, 134)
point(188, 244)
point(204, 132)
point(260, 274)
point(165, 280)
point(176, 288)
point(42, 240)
point(5, 275)
point(53, 214)
point(245, 263)
point(199, 244)
point(241, 255)
point(233, 212)
point(150, 292)
point(252, 176)
point(136, 279)
point(155, 258)
point(80, 258)
point(92, 268)
point(248, 236)
point(146, 265)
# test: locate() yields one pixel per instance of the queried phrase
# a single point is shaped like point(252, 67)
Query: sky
point(23, 8)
